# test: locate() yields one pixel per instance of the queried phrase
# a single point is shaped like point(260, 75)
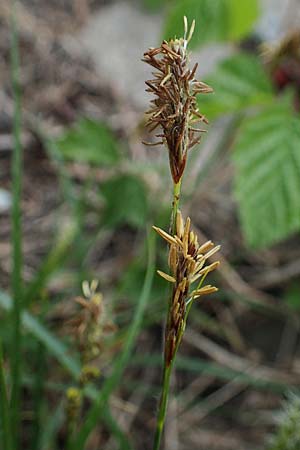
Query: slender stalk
point(4, 408)
point(167, 370)
point(40, 377)
point(163, 404)
point(175, 90)
point(16, 238)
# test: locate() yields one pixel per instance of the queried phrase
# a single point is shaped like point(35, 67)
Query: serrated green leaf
point(90, 142)
point(217, 20)
point(267, 175)
point(239, 82)
point(126, 201)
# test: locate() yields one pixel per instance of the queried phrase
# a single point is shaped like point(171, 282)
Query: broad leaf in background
point(238, 82)
point(90, 142)
point(126, 201)
point(217, 20)
point(267, 175)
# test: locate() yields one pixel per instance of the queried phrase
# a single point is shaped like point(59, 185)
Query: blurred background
point(92, 190)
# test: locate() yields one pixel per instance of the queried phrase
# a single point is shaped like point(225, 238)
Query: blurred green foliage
point(89, 141)
point(239, 82)
point(218, 20)
point(267, 184)
point(125, 201)
point(242, 87)
point(266, 157)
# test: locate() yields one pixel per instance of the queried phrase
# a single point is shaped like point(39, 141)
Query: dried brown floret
point(174, 107)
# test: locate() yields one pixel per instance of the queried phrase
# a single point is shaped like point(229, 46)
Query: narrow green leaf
point(17, 254)
point(4, 408)
point(267, 175)
point(112, 382)
point(91, 142)
point(51, 427)
point(52, 262)
point(126, 201)
point(57, 349)
point(42, 334)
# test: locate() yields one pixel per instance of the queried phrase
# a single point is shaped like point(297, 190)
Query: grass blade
point(115, 430)
point(51, 427)
point(54, 346)
point(4, 408)
point(112, 381)
point(52, 263)
point(16, 237)
point(38, 394)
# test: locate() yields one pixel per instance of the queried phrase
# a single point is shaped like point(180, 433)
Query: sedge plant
point(174, 112)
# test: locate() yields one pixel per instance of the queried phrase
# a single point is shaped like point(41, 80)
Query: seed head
point(174, 107)
point(187, 263)
point(90, 323)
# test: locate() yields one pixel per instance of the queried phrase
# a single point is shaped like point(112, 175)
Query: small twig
point(171, 437)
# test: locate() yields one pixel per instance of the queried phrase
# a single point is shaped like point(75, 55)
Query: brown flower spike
point(174, 107)
point(187, 262)
point(90, 323)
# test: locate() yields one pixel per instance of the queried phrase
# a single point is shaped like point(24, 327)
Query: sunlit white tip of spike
point(94, 285)
point(186, 27)
point(86, 289)
point(185, 21)
point(192, 29)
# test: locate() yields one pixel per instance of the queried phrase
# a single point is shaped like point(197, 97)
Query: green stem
point(40, 376)
point(162, 411)
point(16, 238)
point(4, 408)
point(167, 370)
